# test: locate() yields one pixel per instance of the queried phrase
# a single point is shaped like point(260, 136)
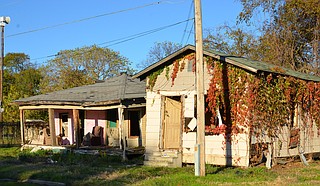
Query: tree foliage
point(82, 66)
point(159, 51)
point(21, 79)
point(232, 41)
point(290, 34)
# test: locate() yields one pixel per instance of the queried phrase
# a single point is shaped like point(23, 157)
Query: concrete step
point(157, 164)
point(165, 153)
point(160, 158)
point(163, 159)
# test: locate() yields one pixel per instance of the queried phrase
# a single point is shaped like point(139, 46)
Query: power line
point(127, 38)
point(185, 29)
point(88, 18)
point(192, 28)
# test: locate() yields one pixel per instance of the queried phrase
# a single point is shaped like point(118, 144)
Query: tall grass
point(103, 169)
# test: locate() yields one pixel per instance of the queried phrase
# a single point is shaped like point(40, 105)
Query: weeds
point(103, 169)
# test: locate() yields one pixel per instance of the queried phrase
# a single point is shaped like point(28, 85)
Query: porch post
point(76, 124)
point(122, 136)
point(52, 127)
point(22, 126)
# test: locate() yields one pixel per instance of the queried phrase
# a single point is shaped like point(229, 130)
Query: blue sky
point(29, 15)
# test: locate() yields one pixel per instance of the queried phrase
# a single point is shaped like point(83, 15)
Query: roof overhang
point(142, 74)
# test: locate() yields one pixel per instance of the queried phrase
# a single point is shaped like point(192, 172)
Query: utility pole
point(3, 21)
point(200, 87)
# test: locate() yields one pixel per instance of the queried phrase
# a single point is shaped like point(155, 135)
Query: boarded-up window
point(190, 65)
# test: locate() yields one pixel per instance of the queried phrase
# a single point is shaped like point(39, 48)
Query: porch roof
point(111, 91)
point(247, 64)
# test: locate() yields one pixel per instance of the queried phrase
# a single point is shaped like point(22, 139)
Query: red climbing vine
point(253, 102)
point(261, 103)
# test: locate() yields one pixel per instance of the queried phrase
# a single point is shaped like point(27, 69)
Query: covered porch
point(106, 114)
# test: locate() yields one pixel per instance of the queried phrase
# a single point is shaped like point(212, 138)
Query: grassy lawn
point(75, 169)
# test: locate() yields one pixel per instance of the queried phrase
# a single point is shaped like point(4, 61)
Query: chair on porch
point(97, 136)
point(47, 137)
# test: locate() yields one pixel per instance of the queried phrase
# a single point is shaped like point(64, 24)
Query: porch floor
point(94, 150)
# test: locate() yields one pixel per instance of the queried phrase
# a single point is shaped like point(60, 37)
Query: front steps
point(164, 159)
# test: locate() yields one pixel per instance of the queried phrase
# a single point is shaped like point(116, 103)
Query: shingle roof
point(251, 65)
point(109, 91)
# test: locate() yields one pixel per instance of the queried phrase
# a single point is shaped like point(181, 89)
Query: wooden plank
point(52, 127)
point(76, 124)
point(162, 118)
point(182, 120)
point(122, 135)
point(22, 119)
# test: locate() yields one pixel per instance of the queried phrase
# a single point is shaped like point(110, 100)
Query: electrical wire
point(87, 18)
point(135, 36)
point(192, 27)
point(125, 39)
point(185, 29)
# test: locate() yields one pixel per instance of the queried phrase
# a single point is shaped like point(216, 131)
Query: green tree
point(21, 79)
point(82, 66)
point(290, 33)
point(159, 51)
point(232, 41)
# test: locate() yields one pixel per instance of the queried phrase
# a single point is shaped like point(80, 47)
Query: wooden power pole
point(200, 87)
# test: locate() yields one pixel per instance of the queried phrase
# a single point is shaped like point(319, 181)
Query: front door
point(172, 123)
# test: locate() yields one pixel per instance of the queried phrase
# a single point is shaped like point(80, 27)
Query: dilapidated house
point(253, 110)
point(110, 113)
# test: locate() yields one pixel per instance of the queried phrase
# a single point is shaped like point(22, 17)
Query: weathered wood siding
point(184, 84)
point(309, 141)
point(153, 113)
point(185, 79)
point(218, 152)
point(143, 126)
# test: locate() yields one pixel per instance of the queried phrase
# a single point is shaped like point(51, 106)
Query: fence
point(10, 133)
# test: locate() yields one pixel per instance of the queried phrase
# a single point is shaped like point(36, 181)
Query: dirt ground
point(296, 173)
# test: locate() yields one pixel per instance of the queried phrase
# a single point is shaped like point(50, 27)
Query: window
point(191, 65)
point(212, 125)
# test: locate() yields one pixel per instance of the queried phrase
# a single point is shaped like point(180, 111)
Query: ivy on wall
point(260, 102)
point(255, 103)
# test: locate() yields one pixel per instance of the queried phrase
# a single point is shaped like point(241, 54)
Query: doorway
point(172, 122)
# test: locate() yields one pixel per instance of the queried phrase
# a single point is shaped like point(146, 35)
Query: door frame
point(162, 125)
point(61, 123)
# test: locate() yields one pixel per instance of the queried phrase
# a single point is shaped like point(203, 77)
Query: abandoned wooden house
point(253, 109)
point(106, 113)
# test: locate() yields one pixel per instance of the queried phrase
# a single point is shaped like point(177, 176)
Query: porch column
point(76, 123)
point(122, 136)
point(52, 127)
point(22, 126)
